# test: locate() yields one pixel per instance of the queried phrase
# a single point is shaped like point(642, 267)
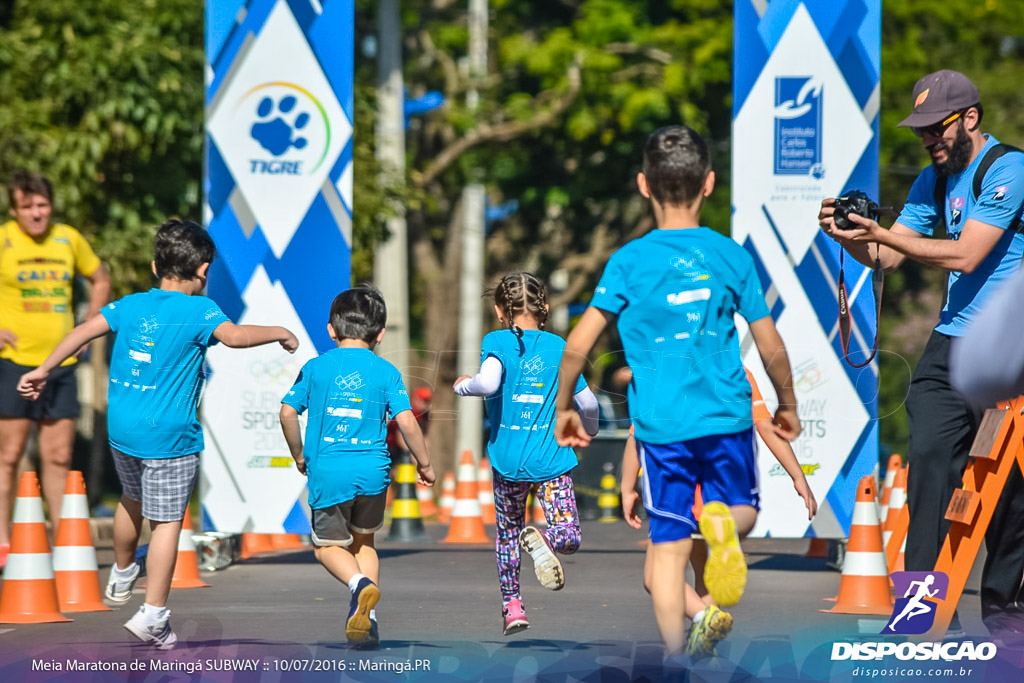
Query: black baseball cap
point(940, 94)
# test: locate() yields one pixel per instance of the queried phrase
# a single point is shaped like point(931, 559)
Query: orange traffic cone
point(447, 498)
point(864, 586)
point(74, 556)
point(28, 594)
point(897, 499)
point(425, 494)
point(485, 484)
point(817, 548)
point(186, 568)
point(254, 544)
point(467, 525)
point(900, 565)
point(897, 543)
point(537, 511)
point(286, 542)
point(894, 466)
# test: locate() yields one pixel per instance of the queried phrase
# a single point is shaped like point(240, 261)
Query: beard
point(958, 155)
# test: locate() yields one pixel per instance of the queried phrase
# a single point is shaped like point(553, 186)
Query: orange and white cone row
point(864, 586)
point(425, 494)
point(485, 484)
point(897, 499)
point(29, 593)
point(447, 498)
point(467, 524)
point(895, 464)
point(74, 556)
point(186, 568)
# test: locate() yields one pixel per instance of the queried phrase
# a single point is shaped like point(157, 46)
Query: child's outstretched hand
point(290, 342)
point(460, 379)
point(803, 489)
point(786, 423)
point(569, 429)
point(629, 500)
point(31, 384)
point(427, 475)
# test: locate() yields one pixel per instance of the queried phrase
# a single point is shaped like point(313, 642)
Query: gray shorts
point(164, 485)
point(334, 525)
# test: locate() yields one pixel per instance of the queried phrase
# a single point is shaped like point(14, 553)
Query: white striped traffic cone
point(485, 484)
point(74, 556)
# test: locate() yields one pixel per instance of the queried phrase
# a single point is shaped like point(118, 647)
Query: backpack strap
point(939, 199)
point(979, 176)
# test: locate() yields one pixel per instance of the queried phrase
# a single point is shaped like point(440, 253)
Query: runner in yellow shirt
point(38, 263)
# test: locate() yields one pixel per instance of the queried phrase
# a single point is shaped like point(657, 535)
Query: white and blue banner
point(805, 127)
point(278, 204)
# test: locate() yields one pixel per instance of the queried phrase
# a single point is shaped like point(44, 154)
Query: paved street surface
point(283, 617)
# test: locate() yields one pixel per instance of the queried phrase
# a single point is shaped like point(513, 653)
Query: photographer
point(977, 195)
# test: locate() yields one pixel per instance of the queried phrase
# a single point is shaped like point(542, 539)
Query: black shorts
point(334, 525)
point(58, 400)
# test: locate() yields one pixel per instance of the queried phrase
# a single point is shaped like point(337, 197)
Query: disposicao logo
point(287, 120)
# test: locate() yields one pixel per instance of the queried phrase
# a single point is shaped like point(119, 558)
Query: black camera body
point(854, 202)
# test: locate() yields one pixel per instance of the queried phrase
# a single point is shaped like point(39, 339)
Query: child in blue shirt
point(518, 376)
point(156, 378)
point(350, 393)
point(674, 293)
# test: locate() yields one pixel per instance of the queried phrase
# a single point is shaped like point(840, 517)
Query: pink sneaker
point(515, 617)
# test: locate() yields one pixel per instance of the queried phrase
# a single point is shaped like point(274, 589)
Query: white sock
point(699, 615)
point(156, 613)
point(126, 572)
point(354, 582)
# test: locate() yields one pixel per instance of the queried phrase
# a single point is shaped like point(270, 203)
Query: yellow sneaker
point(713, 627)
point(725, 574)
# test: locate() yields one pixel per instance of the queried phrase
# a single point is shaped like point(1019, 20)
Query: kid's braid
point(519, 293)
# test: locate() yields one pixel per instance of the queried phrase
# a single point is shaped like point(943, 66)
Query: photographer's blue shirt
point(522, 443)
point(999, 204)
point(350, 394)
point(156, 371)
point(675, 293)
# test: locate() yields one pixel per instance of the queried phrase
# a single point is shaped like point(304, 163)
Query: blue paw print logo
point(274, 131)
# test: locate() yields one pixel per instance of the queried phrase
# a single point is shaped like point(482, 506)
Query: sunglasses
point(938, 129)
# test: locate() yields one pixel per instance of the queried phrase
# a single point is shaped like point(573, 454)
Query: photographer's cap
point(938, 95)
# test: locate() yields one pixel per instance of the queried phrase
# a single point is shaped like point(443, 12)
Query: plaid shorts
point(164, 485)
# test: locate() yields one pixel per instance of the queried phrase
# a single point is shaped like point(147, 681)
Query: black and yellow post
point(608, 502)
point(406, 521)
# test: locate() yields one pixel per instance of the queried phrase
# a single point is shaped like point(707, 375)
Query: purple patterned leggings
point(558, 500)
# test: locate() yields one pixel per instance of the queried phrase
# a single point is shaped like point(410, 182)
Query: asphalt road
point(283, 616)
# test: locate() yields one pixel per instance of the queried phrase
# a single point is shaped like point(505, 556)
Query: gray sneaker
point(149, 630)
point(120, 590)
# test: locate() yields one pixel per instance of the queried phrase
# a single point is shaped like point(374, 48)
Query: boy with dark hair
point(156, 378)
point(350, 393)
point(674, 292)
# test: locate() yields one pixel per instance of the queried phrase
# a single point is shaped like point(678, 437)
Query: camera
point(854, 202)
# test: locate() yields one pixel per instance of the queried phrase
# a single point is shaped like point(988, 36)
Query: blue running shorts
point(725, 466)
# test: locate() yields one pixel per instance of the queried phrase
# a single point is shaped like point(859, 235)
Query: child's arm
point(586, 405)
point(484, 383)
point(293, 435)
point(32, 383)
point(413, 435)
point(245, 336)
point(630, 471)
point(569, 429)
point(776, 363)
point(783, 452)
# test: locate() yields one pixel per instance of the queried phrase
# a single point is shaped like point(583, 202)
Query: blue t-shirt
point(675, 293)
point(156, 371)
point(522, 445)
point(350, 394)
point(999, 204)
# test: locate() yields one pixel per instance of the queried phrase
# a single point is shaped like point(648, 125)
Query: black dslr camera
point(854, 202)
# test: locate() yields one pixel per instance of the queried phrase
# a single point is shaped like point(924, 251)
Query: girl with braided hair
point(518, 377)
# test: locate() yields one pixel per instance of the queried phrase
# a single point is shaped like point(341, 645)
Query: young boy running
point(674, 293)
point(350, 393)
point(156, 378)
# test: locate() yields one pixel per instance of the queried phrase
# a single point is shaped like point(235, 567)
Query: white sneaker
point(120, 590)
point(150, 630)
point(545, 564)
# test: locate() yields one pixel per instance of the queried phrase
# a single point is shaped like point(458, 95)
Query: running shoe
point(156, 632)
point(364, 599)
point(545, 564)
point(725, 574)
point(120, 589)
point(708, 631)
point(514, 616)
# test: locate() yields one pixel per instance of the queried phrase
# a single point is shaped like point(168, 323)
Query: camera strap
point(845, 326)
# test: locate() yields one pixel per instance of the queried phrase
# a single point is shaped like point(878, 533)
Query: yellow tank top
point(35, 288)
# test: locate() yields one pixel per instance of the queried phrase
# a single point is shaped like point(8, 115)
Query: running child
point(674, 293)
point(156, 378)
point(518, 376)
point(349, 393)
point(710, 623)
